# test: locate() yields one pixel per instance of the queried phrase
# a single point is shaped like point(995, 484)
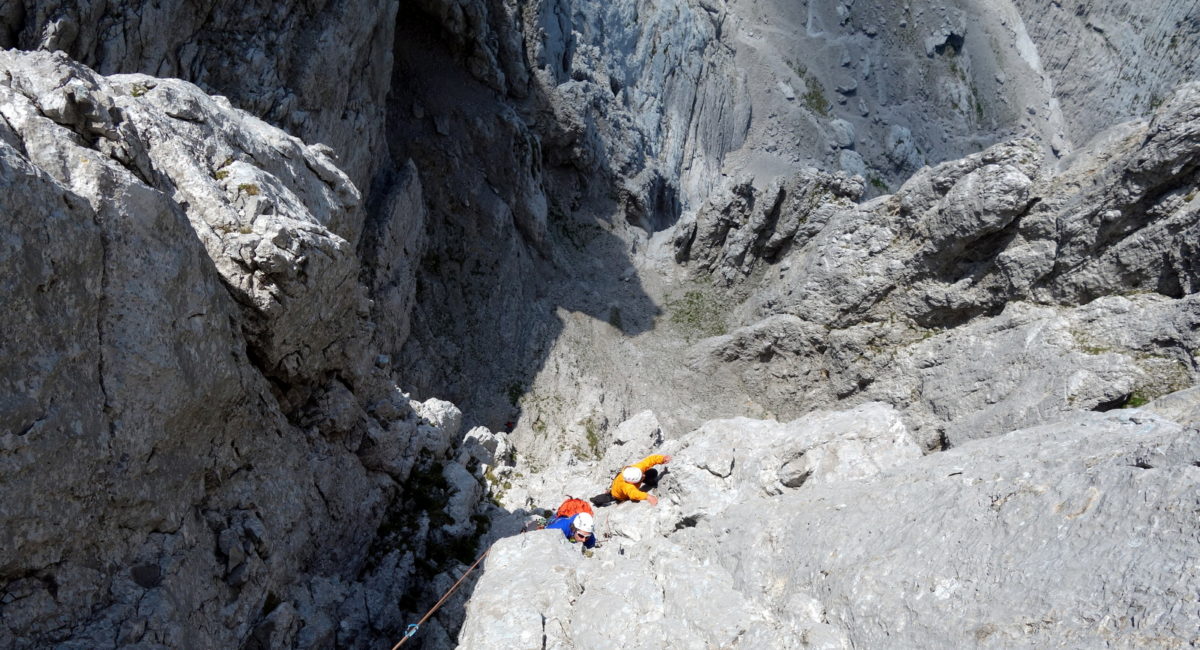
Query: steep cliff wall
point(556, 214)
point(198, 450)
point(1112, 61)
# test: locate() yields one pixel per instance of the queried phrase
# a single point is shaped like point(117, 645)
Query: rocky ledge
point(833, 531)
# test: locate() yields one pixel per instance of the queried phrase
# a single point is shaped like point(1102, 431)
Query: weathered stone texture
point(862, 300)
point(996, 543)
point(321, 70)
point(560, 213)
point(187, 383)
point(1082, 46)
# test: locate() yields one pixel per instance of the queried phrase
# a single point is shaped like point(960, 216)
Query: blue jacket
point(564, 524)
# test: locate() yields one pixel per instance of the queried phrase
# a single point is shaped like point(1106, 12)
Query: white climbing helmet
point(584, 522)
point(631, 474)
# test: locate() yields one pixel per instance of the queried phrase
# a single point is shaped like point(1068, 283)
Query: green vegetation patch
point(1136, 399)
point(514, 390)
point(593, 438)
point(498, 487)
point(698, 314)
point(815, 99)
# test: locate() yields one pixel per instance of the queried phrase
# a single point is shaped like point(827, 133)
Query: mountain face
point(308, 303)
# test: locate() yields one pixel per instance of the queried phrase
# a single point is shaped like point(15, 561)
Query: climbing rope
point(412, 628)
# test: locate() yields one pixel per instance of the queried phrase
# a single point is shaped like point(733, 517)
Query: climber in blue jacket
point(577, 528)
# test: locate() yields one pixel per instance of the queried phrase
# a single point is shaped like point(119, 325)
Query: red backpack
point(572, 507)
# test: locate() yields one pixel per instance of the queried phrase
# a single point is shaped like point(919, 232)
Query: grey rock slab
point(465, 493)
point(991, 544)
point(709, 473)
point(569, 601)
point(852, 163)
point(439, 426)
point(843, 133)
point(543, 597)
point(632, 440)
point(1182, 406)
point(995, 543)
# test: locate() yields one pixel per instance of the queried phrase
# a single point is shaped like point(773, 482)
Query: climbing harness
point(412, 628)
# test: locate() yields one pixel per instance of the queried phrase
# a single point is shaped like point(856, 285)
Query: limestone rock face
point(321, 71)
point(196, 448)
point(278, 230)
point(1147, 43)
point(262, 333)
point(991, 544)
point(918, 293)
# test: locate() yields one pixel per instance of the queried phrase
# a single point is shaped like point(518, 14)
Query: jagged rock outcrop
point(198, 449)
point(956, 298)
point(321, 70)
point(991, 544)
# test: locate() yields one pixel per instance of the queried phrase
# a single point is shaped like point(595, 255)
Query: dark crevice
point(1170, 283)
point(101, 312)
point(945, 318)
point(26, 429)
point(324, 499)
point(952, 45)
point(1112, 404)
point(976, 257)
point(768, 230)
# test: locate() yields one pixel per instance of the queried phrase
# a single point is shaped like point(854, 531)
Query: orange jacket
point(623, 490)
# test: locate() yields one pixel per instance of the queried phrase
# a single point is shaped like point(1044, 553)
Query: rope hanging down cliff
point(412, 628)
point(563, 510)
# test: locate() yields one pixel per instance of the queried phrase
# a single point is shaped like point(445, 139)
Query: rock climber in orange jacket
point(633, 481)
